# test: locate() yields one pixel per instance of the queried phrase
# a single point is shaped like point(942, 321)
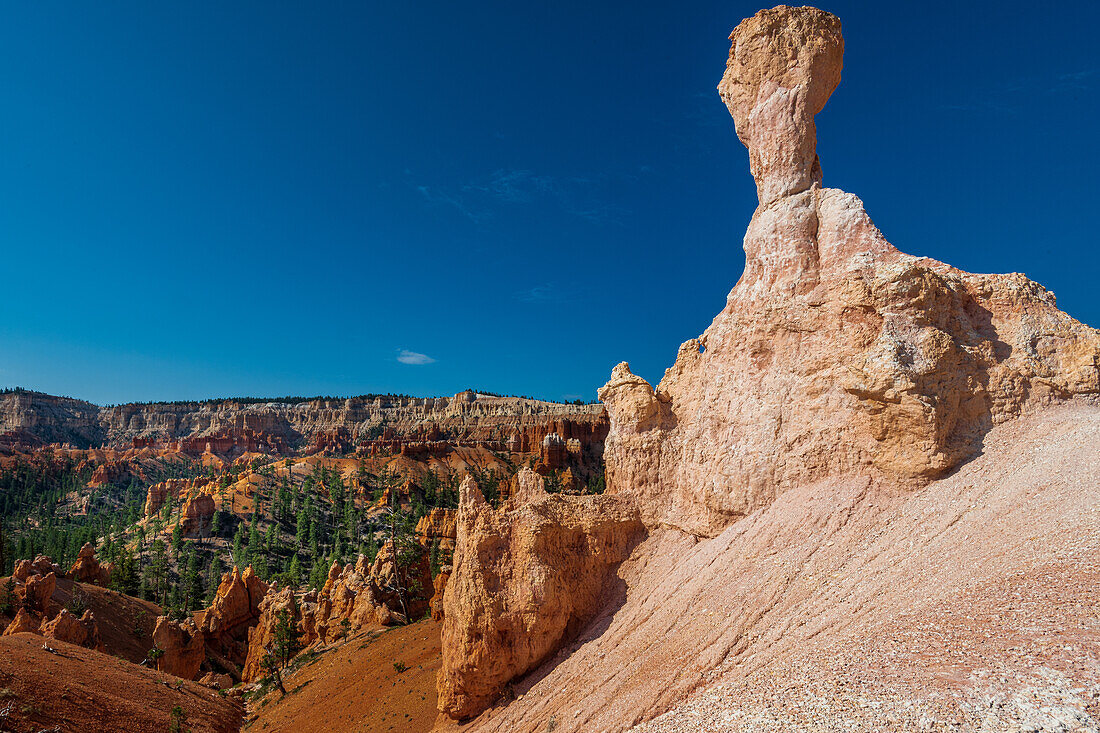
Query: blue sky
point(269, 198)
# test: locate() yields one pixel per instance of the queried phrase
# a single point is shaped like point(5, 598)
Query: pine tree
point(124, 576)
point(433, 558)
point(302, 535)
point(240, 558)
point(318, 574)
point(192, 580)
point(254, 543)
point(294, 572)
point(401, 537)
point(213, 579)
point(285, 645)
point(177, 539)
point(157, 577)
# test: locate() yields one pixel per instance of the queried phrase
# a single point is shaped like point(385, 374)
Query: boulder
point(216, 681)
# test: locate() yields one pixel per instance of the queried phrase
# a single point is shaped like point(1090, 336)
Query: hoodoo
point(835, 353)
point(861, 441)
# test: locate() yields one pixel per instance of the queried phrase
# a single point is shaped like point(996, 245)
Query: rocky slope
point(77, 690)
point(353, 687)
point(843, 606)
point(851, 483)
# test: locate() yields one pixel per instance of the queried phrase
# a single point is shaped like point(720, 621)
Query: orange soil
point(76, 690)
point(354, 688)
point(117, 615)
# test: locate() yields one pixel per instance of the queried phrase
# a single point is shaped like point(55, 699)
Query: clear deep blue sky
point(207, 199)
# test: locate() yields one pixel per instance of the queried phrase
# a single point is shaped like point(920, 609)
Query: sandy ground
point(353, 687)
point(970, 604)
point(78, 690)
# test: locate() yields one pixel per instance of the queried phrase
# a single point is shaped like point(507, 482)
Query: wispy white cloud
point(1017, 96)
point(542, 293)
point(585, 196)
point(413, 357)
point(436, 196)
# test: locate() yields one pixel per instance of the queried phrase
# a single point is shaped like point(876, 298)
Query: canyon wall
point(31, 419)
point(382, 423)
point(466, 416)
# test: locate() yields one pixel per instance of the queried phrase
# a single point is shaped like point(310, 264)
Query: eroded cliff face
point(32, 418)
point(525, 578)
point(385, 423)
point(836, 353)
point(363, 594)
point(506, 422)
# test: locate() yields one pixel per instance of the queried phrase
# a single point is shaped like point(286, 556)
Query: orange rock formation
point(835, 353)
point(87, 569)
point(525, 578)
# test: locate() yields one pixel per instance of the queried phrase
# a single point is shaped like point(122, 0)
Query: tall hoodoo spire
point(784, 63)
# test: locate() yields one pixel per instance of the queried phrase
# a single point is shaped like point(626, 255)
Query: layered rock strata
point(381, 423)
point(30, 418)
